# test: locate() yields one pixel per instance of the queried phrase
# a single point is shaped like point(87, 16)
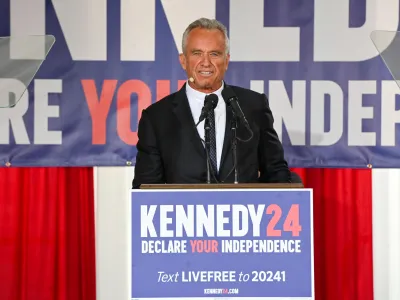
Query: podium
point(224, 186)
point(202, 241)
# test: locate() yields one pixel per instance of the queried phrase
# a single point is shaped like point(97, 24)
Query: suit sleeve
point(148, 167)
point(272, 164)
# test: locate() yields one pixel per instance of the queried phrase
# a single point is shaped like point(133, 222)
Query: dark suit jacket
point(170, 149)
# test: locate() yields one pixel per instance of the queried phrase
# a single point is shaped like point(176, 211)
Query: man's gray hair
point(205, 23)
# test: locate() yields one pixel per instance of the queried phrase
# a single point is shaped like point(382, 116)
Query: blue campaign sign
point(222, 243)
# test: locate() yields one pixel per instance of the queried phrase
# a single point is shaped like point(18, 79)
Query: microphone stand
point(234, 145)
point(207, 146)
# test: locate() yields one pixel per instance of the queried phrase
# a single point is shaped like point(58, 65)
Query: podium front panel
point(225, 244)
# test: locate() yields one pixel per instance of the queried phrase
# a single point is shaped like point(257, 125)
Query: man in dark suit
point(170, 146)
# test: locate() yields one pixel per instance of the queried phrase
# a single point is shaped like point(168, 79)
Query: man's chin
point(205, 85)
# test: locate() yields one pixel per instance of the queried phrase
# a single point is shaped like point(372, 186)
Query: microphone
point(232, 100)
point(210, 103)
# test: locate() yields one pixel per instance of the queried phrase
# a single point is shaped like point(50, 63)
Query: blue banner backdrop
point(333, 99)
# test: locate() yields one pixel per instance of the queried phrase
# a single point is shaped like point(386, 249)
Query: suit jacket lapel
point(184, 115)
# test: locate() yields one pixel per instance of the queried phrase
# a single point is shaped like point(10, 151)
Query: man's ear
point(182, 60)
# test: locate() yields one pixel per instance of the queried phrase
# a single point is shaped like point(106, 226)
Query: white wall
point(113, 232)
point(113, 261)
point(386, 233)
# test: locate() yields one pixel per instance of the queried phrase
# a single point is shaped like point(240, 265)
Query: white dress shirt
point(196, 103)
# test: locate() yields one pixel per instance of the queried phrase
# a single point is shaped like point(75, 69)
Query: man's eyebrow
point(212, 51)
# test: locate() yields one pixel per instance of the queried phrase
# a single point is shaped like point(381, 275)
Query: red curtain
point(47, 236)
point(48, 244)
point(342, 232)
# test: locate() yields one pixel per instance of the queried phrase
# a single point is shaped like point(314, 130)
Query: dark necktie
point(213, 141)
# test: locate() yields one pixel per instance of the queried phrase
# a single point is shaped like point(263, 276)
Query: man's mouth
point(206, 73)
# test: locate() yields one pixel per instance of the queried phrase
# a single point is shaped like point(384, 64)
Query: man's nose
point(205, 60)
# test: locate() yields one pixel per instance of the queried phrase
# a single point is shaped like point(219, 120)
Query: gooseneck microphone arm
point(207, 146)
point(234, 147)
point(210, 103)
point(232, 101)
point(237, 114)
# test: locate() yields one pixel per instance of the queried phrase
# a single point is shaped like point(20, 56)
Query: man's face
point(205, 59)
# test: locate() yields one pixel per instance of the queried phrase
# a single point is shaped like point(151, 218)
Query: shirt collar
point(199, 96)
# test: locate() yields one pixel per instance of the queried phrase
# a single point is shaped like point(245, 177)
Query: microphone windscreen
point(228, 93)
point(213, 99)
